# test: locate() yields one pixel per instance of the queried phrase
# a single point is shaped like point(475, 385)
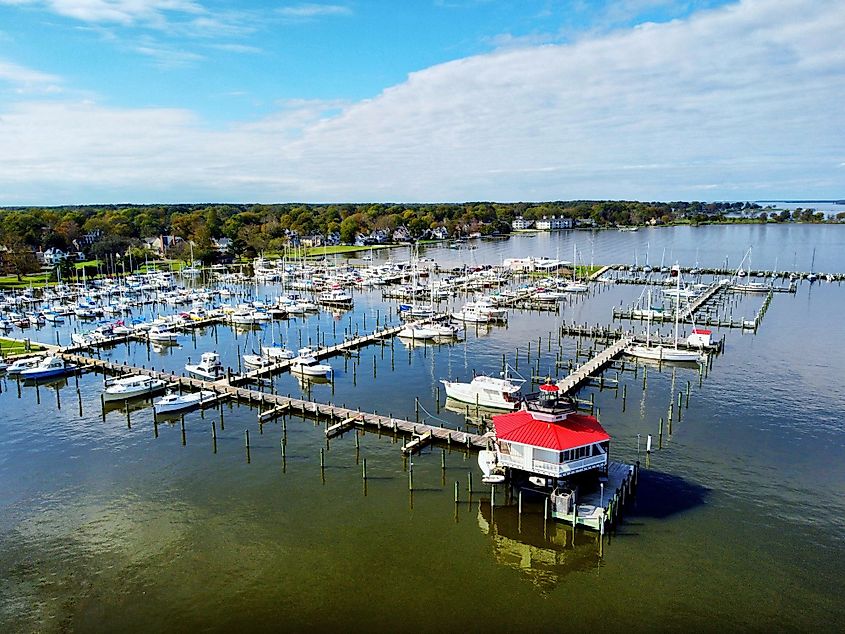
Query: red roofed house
point(549, 441)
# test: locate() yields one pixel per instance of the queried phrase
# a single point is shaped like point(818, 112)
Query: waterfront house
point(520, 224)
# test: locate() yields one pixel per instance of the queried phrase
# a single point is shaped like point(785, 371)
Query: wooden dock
point(273, 402)
point(596, 509)
point(319, 353)
point(584, 372)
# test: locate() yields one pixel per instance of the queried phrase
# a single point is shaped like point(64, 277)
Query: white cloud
point(26, 80)
point(740, 102)
point(115, 11)
point(312, 10)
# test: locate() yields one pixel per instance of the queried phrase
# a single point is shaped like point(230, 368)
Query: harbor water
point(109, 522)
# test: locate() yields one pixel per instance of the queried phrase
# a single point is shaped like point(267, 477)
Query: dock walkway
point(334, 413)
point(585, 371)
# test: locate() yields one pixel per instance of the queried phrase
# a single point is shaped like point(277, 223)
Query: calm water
point(739, 522)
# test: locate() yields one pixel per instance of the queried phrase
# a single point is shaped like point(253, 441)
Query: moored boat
point(209, 366)
point(48, 367)
point(131, 387)
point(181, 402)
point(309, 366)
point(487, 391)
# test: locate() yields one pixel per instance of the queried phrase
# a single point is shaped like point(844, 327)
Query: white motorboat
point(492, 472)
point(209, 366)
point(576, 287)
point(161, 335)
point(412, 331)
point(277, 353)
point(243, 316)
point(256, 361)
point(471, 315)
point(180, 402)
point(335, 297)
point(22, 364)
point(131, 387)
point(487, 391)
point(48, 367)
point(308, 366)
point(550, 296)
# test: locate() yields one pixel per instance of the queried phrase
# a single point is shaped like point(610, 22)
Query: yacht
point(487, 391)
point(335, 297)
point(48, 367)
point(209, 366)
point(309, 366)
point(161, 334)
point(131, 387)
point(20, 365)
point(179, 402)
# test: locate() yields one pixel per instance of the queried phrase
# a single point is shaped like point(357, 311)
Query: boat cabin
point(548, 440)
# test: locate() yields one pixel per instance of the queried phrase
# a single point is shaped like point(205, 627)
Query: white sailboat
point(661, 352)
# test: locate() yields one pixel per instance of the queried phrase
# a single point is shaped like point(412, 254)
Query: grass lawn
point(9, 347)
point(11, 281)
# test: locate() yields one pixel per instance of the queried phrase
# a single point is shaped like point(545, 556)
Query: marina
point(380, 430)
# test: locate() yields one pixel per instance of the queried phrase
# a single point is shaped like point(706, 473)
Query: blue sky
point(187, 100)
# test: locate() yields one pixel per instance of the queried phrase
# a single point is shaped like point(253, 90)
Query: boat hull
point(465, 394)
point(663, 354)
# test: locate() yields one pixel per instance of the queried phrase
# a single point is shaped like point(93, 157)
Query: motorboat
point(412, 331)
point(335, 297)
point(48, 367)
point(161, 334)
point(487, 391)
point(308, 366)
point(576, 287)
point(257, 361)
point(471, 315)
point(20, 365)
point(492, 472)
point(131, 387)
point(209, 366)
point(276, 352)
point(180, 402)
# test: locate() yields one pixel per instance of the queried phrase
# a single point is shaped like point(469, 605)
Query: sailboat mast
point(677, 307)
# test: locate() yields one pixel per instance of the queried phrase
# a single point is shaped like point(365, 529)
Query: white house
point(554, 223)
point(520, 224)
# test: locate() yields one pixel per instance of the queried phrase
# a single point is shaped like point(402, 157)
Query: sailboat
point(812, 277)
point(662, 353)
point(748, 287)
point(574, 286)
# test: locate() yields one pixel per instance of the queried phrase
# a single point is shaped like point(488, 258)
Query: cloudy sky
point(424, 100)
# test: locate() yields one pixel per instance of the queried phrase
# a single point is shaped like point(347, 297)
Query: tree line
point(254, 228)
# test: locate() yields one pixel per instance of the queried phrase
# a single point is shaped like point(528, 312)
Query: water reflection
point(543, 554)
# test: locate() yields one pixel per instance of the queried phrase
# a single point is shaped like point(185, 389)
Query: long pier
point(585, 371)
point(278, 403)
point(319, 353)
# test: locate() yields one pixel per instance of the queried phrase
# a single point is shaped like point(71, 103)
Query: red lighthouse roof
point(576, 430)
